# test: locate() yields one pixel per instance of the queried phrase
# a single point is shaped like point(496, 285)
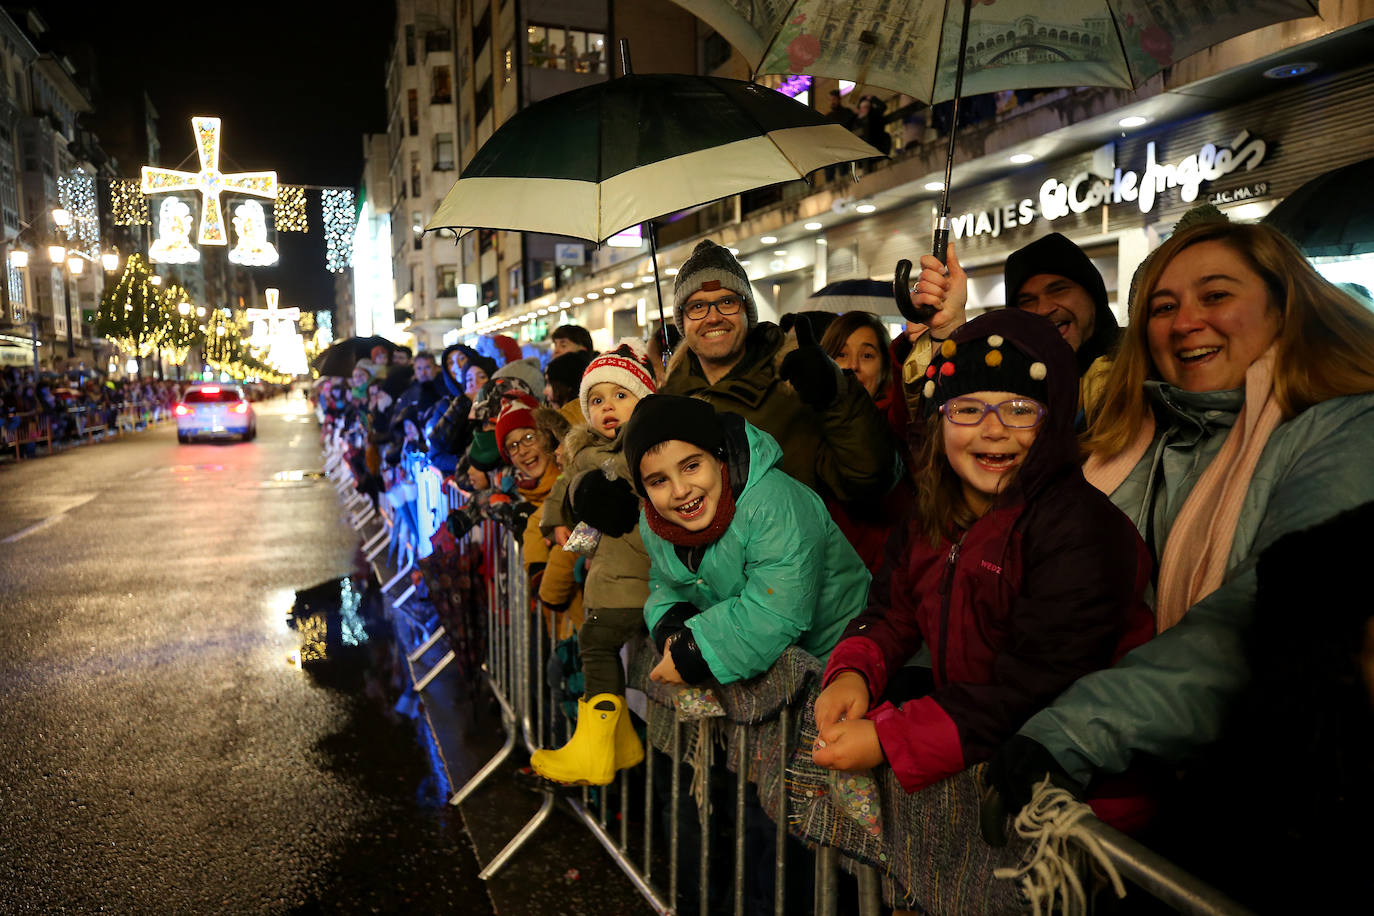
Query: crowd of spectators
point(1118, 624)
point(74, 405)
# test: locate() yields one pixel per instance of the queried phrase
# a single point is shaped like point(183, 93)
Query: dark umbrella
point(1331, 216)
point(339, 358)
point(594, 161)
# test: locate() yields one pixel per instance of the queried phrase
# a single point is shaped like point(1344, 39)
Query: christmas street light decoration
point(173, 242)
point(209, 181)
point(339, 218)
point(250, 226)
point(76, 195)
point(128, 206)
point(288, 213)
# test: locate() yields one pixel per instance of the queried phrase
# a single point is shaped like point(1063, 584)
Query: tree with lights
point(133, 312)
point(181, 327)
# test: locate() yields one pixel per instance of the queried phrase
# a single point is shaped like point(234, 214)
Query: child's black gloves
point(812, 374)
point(674, 621)
point(609, 506)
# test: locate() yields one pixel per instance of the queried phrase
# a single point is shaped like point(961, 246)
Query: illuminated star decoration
point(250, 226)
point(289, 210)
point(337, 204)
point(127, 204)
point(76, 195)
point(209, 181)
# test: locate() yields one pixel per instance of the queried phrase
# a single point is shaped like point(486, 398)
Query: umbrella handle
point(901, 294)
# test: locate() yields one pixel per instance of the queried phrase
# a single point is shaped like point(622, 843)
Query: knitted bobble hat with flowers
point(711, 268)
point(983, 360)
point(627, 366)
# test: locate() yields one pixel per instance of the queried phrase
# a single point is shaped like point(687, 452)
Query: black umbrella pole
point(658, 291)
point(940, 243)
point(901, 282)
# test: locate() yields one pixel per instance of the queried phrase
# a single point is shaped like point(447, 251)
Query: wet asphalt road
point(160, 752)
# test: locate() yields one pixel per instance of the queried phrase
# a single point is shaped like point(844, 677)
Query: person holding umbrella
point(833, 438)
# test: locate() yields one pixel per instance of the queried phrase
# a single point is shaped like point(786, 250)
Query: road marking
point(47, 522)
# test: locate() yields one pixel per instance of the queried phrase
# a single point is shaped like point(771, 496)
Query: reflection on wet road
point(163, 751)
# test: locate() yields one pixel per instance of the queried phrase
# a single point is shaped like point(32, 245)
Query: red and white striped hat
point(627, 366)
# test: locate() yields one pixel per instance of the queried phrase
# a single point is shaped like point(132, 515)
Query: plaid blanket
point(928, 854)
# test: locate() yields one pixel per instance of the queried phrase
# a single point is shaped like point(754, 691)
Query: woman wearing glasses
point(1016, 574)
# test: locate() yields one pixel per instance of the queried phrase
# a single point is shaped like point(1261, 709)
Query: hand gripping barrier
point(920, 850)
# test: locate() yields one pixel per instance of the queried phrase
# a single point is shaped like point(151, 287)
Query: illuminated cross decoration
point(209, 181)
point(272, 316)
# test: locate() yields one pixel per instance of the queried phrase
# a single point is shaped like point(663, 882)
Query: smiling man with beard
point(1053, 278)
point(833, 438)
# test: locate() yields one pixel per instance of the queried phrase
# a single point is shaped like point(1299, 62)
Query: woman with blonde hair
point(1240, 408)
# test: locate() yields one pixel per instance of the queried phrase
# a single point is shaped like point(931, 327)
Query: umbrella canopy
point(862, 294)
point(912, 46)
point(1331, 216)
point(934, 50)
point(339, 357)
point(591, 162)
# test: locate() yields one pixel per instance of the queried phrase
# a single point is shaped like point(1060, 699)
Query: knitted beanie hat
point(1053, 254)
point(516, 413)
point(661, 417)
point(627, 366)
point(984, 357)
point(527, 370)
point(710, 268)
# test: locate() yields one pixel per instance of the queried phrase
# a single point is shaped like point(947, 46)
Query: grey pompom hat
point(711, 267)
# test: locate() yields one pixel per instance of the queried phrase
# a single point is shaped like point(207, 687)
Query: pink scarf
point(1199, 543)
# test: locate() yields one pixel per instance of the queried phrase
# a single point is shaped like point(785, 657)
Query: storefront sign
point(1242, 193)
point(1084, 190)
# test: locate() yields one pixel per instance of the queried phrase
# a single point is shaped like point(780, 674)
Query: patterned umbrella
point(922, 48)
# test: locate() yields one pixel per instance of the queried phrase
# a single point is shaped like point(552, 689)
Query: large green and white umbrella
point(594, 161)
point(937, 50)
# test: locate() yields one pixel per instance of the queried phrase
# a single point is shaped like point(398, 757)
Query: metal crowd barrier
point(518, 646)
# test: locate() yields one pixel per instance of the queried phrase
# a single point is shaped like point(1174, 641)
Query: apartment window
point(485, 239)
point(509, 65)
point(413, 110)
point(481, 101)
point(489, 296)
point(442, 93)
point(414, 174)
point(438, 40)
point(410, 46)
point(448, 282)
point(443, 152)
point(417, 228)
point(586, 51)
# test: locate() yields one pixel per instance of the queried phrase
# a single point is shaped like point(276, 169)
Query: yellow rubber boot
point(588, 759)
point(629, 752)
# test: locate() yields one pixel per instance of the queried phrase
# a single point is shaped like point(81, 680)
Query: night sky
point(296, 83)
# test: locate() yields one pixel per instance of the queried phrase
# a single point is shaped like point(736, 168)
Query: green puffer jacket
point(781, 574)
point(846, 451)
point(1169, 697)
